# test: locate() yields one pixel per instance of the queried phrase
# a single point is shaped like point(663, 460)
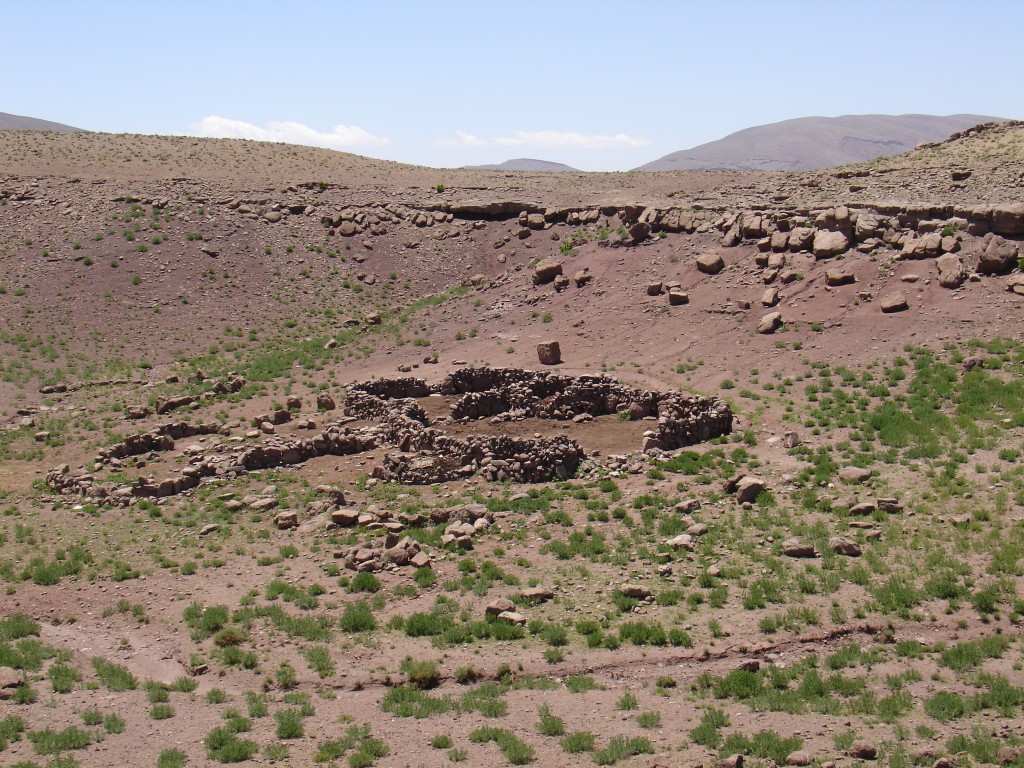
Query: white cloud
point(543, 140)
point(340, 137)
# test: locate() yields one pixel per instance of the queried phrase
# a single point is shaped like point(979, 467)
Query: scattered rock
point(863, 508)
point(499, 606)
point(546, 271)
point(800, 757)
point(844, 546)
point(710, 263)
point(136, 412)
point(797, 548)
point(770, 323)
point(854, 474)
point(863, 750)
point(894, 302)
point(748, 488)
point(952, 272)
point(770, 297)
point(839, 276)
point(1007, 754)
point(677, 297)
point(682, 541)
point(345, 517)
point(9, 678)
point(536, 594)
point(286, 520)
point(640, 231)
point(636, 591)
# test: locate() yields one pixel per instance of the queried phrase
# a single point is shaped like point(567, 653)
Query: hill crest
point(809, 143)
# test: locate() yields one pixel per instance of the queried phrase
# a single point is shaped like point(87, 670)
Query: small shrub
point(578, 741)
point(92, 716)
point(113, 676)
point(648, 719)
point(319, 659)
point(516, 751)
point(224, 746)
point(549, 724)
point(627, 701)
point(171, 758)
point(358, 617)
point(365, 582)
point(422, 674)
point(50, 742)
point(289, 724)
point(161, 712)
point(621, 747)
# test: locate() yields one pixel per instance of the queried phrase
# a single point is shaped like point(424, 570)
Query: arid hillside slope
point(312, 459)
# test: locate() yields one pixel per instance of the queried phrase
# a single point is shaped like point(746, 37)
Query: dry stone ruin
point(387, 413)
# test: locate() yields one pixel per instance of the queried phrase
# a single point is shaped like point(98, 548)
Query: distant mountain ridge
point(525, 164)
point(10, 122)
point(806, 143)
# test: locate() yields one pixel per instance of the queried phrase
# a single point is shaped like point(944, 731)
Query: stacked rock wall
point(426, 454)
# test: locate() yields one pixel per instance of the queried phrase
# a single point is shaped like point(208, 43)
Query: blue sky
point(598, 85)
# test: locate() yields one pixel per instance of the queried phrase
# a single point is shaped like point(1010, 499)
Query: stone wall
point(423, 453)
point(160, 439)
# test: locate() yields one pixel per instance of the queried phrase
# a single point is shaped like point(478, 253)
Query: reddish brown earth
point(84, 307)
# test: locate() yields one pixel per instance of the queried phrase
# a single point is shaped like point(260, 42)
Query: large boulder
point(998, 257)
point(770, 323)
point(839, 276)
point(546, 271)
point(828, 244)
point(549, 353)
point(640, 231)
point(951, 271)
point(844, 546)
point(710, 263)
point(797, 548)
point(923, 247)
point(748, 488)
point(678, 297)
point(535, 221)
point(801, 239)
point(894, 302)
point(635, 591)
